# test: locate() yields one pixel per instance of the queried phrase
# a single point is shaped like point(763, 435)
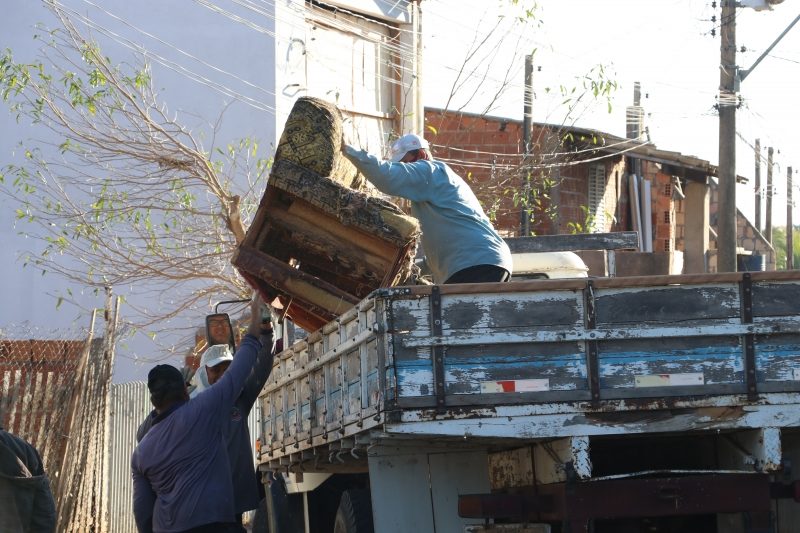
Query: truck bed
point(538, 359)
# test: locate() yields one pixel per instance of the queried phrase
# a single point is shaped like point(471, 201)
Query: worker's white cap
point(405, 144)
point(216, 354)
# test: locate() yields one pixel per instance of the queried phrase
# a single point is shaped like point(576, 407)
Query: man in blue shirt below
point(182, 479)
point(460, 243)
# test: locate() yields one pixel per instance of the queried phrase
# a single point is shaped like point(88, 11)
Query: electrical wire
point(171, 65)
point(179, 50)
point(295, 23)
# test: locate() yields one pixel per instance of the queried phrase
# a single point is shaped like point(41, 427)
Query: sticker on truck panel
point(669, 380)
point(515, 385)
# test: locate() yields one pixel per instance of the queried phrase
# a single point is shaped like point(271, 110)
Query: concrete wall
point(747, 236)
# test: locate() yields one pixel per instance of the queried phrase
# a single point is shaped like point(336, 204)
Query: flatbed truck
point(652, 403)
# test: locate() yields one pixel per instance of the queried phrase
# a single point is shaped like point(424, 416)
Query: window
point(597, 194)
point(349, 62)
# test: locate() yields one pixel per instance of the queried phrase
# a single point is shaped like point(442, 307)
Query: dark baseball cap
point(164, 377)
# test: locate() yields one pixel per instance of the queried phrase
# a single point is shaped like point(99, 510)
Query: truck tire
point(355, 512)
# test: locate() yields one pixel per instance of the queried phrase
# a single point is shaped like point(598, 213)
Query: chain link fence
point(55, 394)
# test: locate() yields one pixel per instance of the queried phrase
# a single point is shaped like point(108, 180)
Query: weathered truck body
point(539, 405)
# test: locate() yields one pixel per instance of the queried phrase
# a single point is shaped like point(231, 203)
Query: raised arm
point(260, 372)
point(222, 395)
point(406, 180)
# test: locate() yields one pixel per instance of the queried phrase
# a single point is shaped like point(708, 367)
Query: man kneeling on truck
point(460, 243)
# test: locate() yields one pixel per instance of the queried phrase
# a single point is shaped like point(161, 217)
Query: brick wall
point(664, 210)
point(747, 236)
point(487, 153)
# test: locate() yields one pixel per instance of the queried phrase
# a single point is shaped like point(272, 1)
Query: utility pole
point(527, 122)
point(768, 221)
point(789, 223)
point(758, 185)
point(730, 77)
point(726, 172)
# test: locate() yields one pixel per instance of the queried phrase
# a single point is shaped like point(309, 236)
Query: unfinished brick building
point(580, 181)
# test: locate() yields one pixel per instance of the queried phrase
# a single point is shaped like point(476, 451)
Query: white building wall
point(212, 61)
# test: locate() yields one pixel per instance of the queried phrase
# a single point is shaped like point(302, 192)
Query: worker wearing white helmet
point(460, 243)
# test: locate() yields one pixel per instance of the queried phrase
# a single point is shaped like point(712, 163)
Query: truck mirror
point(219, 330)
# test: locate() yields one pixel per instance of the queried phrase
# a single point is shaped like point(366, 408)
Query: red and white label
point(515, 385)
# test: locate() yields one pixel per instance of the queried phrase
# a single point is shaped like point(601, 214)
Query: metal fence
point(130, 404)
point(37, 378)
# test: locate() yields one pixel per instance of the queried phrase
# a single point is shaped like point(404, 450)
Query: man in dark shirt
point(237, 433)
point(215, 362)
point(181, 468)
point(26, 502)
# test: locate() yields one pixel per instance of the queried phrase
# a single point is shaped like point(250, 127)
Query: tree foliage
point(779, 243)
point(131, 196)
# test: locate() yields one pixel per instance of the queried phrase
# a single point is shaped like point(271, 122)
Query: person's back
point(454, 224)
point(182, 476)
point(459, 241)
point(26, 501)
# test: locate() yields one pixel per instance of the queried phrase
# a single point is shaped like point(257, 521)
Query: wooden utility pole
point(768, 221)
point(726, 172)
point(527, 123)
point(789, 224)
point(758, 185)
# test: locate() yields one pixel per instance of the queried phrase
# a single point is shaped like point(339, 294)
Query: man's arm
point(43, 515)
point(144, 499)
point(406, 180)
point(261, 370)
point(144, 427)
point(220, 397)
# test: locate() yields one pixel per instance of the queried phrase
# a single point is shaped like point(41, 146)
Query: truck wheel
point(355, 512)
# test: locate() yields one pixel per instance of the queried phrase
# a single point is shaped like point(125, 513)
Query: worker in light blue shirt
point(460, 244)
point(181, 472)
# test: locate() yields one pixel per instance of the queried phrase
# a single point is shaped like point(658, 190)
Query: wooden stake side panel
point(640, 348)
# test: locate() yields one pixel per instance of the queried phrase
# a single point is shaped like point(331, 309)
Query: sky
point(666, 45)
